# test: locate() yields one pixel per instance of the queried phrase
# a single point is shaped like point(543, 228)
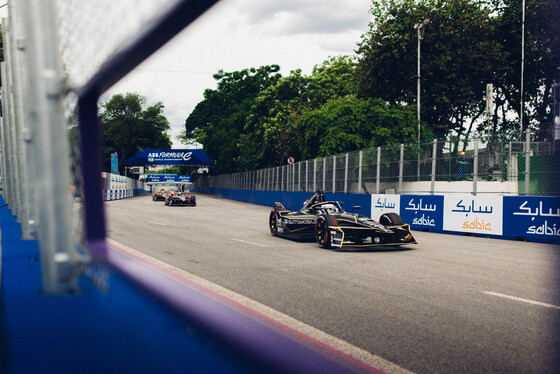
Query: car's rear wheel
point(322, 232)
point(273, 223)
point(391, 219)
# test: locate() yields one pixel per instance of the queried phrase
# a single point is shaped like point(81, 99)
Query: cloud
point(293, 17)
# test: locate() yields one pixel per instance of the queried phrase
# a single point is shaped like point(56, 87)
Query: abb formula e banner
point(152, 178)
point(183, 157)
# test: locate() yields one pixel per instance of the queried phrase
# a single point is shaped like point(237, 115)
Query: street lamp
point(420, 29)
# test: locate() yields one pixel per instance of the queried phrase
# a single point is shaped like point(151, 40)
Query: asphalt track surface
point(450, 304)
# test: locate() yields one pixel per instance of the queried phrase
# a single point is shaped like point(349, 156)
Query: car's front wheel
point(322, 232)
point(273, 223)
point(391, 219)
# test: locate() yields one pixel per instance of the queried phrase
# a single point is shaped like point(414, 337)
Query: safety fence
point(495, 166)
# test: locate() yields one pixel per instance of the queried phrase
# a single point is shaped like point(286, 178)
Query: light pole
point(420, 29)
point(522, 67)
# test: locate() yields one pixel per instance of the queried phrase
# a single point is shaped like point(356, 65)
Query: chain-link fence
point(494, 166)
point(60, 57)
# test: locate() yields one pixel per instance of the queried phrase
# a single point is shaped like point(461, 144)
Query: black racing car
point(180, 198)
point(333, 227)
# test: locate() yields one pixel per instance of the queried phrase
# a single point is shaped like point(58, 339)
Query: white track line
point(522, 300)
point(244, 241)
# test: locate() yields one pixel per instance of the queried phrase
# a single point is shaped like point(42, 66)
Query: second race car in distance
point(332, 227)
point(175, 198)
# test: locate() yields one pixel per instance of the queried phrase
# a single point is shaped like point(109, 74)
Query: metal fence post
point(17, 51)
point(58, 259)
point(334, 174)
point(433, 176)
point(324, 173)
point(475, 167)
point(299, 176)
point(360, 165)
point(314, 174)
point(346, 174)
point(401, 169)
point(527, 161)
point(378, 180)
point(307, 175)
point(12, 154)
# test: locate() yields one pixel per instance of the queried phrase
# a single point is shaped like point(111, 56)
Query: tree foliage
point(218, 121)
point(128, 127)
point(466, 45)
point(295, 116)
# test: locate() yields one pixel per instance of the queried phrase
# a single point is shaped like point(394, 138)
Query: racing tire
point(391, 219)
point(322, 232)
point(273, 223)
point(154, 198)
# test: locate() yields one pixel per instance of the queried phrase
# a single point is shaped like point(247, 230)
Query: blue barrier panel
point(533, 218)
point(422, 212)
point(114, 329)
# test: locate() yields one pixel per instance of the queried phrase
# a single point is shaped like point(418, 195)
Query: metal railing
point(495, 166)
point(60, 56)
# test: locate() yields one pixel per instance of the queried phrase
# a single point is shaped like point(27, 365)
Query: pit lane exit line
point(551, 306)
point(244, 241)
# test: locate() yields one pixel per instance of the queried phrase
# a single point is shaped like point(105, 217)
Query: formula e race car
point(159, 195)
point(180, 198)
point(333, 227)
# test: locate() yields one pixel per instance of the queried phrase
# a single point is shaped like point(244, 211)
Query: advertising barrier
point(533, 218)
point(473, 214)
point(507, 217)
point(422, 212)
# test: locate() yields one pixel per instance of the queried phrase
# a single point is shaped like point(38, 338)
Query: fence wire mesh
point(494, 166)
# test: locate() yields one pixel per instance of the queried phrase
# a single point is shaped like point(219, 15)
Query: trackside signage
point(422, 211)
point(194, 157)
point(534, 218)
point(473, 214)
point(381, 204)
point(167, 178)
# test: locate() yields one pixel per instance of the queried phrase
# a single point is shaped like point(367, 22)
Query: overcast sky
point(239, 34)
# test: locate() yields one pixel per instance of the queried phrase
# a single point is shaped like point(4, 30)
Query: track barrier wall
point(531, 218)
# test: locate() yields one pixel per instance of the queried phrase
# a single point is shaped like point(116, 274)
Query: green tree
point(271, 134)
point(128, 128)
point(269, 137)
point(218, 121)
point(541, 67)
point(350, 123)
point(457, 60)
